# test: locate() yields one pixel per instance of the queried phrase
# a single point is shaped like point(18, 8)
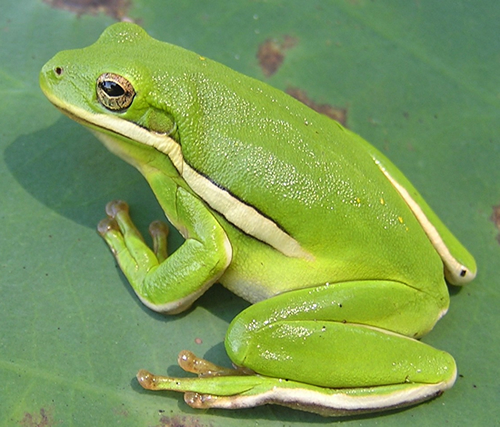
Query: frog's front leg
point(334, 349)
point(169, 284)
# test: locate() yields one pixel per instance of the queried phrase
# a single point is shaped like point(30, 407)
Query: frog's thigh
point(321, 336)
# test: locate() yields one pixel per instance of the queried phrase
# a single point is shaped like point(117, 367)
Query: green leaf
point(419, 79)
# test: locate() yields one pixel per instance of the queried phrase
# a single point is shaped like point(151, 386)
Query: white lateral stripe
point(243, 216)
point(453, 267)
point(336, 403)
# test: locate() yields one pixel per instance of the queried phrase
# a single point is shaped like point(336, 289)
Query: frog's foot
point(215, 386)
point(168, 284)
point(226, 388)
point(121, 235)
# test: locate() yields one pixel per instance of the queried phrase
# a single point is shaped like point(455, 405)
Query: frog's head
point(129, 89)
point(113, 81)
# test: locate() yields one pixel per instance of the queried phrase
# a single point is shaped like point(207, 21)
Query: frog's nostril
point(58, 71)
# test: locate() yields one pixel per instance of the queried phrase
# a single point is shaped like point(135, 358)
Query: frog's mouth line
point(243, 216)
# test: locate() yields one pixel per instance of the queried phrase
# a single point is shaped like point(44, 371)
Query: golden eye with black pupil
point(114, 92)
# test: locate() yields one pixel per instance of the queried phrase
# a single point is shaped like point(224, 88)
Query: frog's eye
point(114, 92)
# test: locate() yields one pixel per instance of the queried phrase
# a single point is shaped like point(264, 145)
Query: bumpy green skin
point(337, 317)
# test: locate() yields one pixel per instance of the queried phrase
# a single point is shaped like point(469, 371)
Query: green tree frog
point(342, 259)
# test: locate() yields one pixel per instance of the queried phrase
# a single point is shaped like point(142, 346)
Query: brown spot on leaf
point(121, 411)
point(495, 218)
point(272, 53)
point(336, 113)
point(115, 8)
point(44, 419)
point(181, 421)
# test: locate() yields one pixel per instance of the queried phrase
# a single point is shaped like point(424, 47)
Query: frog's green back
point(315, 180)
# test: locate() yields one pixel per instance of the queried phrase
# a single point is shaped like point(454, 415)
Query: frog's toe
point(146, 379)
point(107, 225)
point(115, 207)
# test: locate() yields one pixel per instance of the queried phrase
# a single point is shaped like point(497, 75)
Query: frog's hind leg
point(349, 334)
point(332, 349)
